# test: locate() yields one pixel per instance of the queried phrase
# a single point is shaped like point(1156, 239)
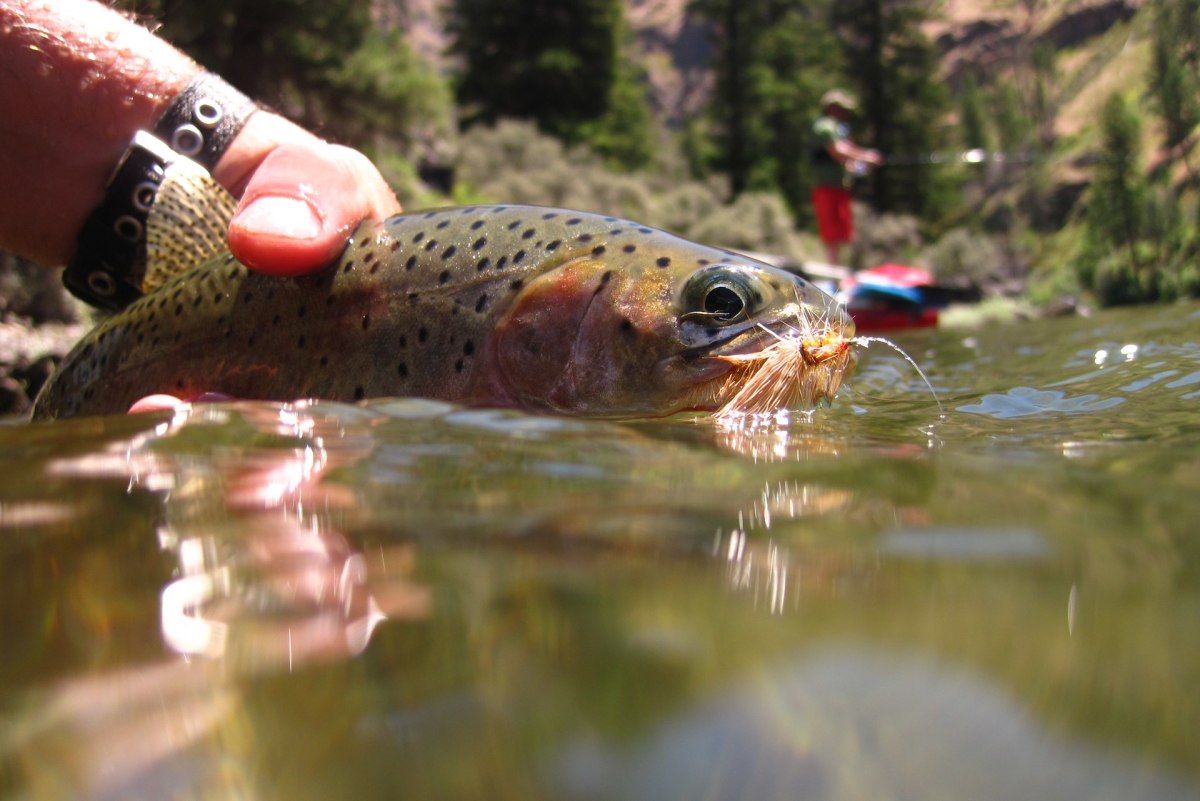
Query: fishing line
point(866, 341)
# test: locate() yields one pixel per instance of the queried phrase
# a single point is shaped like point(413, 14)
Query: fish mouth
point(771, 367)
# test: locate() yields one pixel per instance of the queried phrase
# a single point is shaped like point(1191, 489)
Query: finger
point(302, 203)
point(157, 403)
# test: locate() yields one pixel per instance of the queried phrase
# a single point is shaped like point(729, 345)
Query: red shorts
point(834, 220)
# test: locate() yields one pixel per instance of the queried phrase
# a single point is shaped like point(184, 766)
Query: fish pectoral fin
point(187, 223)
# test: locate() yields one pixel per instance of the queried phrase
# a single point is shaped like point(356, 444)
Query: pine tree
point(1116, 212)
point(972, 116)
point(1175, 71)
point(773, 60)
point(559, 63)
point(904, 102)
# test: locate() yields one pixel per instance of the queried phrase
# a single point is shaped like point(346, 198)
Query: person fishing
point(836, 160)
point(79, 81)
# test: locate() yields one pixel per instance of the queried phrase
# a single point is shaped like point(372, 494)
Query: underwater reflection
point(277, 583)
point(844, 722)
point(265, 580)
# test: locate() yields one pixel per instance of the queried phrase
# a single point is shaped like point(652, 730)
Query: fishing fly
point(798, 370)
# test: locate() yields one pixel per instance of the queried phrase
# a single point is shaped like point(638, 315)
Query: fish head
point(651, 332)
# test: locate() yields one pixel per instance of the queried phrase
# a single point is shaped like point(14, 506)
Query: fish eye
point(720, 296)
point(724, 303)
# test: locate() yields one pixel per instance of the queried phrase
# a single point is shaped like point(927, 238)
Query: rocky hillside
point(989, 36)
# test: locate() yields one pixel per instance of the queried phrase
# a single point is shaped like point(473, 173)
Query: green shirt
point(826, 170)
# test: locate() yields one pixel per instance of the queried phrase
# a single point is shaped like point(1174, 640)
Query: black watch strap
point(110, 256)
point(110, 250)
point(203, 119)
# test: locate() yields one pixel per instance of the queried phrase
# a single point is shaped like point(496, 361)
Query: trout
point(490, 305)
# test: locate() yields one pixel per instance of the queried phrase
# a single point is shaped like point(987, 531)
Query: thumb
point(302, 203)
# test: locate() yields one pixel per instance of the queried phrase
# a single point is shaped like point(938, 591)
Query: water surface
point(407, 599)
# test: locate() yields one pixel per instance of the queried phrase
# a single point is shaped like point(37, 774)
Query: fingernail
point(284, 217)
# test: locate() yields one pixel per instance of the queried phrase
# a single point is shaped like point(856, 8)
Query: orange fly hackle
point(796, 371)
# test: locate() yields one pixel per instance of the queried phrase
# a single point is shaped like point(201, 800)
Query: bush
point(883, 238)
point(965, 256)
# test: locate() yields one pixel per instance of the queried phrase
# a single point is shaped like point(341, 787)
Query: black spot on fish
point(629, 248)
point(514, 225)
point(627, 326)
point(370, 257)
point(412, 262)
point(366, 322)
point(663, 261)
point(646, 230)
point(553, 246)
point(422, 334)
point(178, 309)
point(349, 267)
point(414, 298)
point(479, 243)
point(575, 221)
point(359, 393)
point(431, 215)
point(431, 244)
point(375, 267)
point(468, 347)
point(199, 300)
point(481, 302)
point(403, 341)
point(395, 245)
point(443, 224)
point(418, 237)
point(703, 262)
point(300, 343)
point(518, 257)
point(611, 219)
point(606, 277)
point(584, 238)
point(484, 263)
point(550, 215)
point(448, 252)
point(501, 262)
point(444, 277)
point(458, 366)
point(528, 233)
point(475, 226)
point(599, 250)
point(516, 285)
point(402, 370)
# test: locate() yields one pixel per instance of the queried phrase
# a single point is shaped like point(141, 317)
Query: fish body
point(503, 305)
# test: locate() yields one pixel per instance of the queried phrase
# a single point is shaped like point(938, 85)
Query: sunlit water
point(407, 600)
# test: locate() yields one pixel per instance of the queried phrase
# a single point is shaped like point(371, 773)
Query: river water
point(408, 600)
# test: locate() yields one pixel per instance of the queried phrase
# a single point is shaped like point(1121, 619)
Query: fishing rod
point(976, 155)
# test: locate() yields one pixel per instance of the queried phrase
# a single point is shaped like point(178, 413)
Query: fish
point(526, 307)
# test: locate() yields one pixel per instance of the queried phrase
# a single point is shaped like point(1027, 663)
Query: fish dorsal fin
point(187, 224)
